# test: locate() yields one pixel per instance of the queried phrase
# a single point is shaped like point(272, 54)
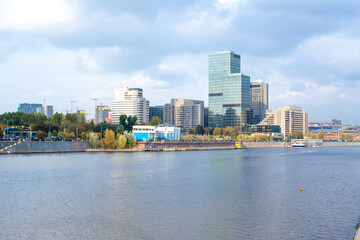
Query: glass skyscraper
point(229, 91)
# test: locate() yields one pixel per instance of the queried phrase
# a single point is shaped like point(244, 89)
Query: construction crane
point(96, 100)
point(71, 101)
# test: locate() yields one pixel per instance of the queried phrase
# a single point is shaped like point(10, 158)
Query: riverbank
point(23, 147)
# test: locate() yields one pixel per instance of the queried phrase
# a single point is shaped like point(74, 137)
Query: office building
point(30, 108)
point(156, 111)
point(49, 111)
point(130, 101)
point(229, 91)
point(290, 119)
point(188, 113)
point(259, 101)
point(80, 114)
point(168, 114)
point(155, 133)
point(336, 122)
point(102, 114)
point(206, 116)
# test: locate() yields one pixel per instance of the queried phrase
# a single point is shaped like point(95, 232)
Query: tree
point(109, 139)
point(217, 131)
point(130, 139)
point(199, 130)
point(230, 131)
point(1, 132)
point(83, 135)
point(131, 121)
point(72, 117)
point(321, 134)
point(120, 129)
point(122, 120)
point(192, 131)
point(346, 137)
point(94, 140)
point(56, 118)
point(40, 135)
point(72, 135)
point(121, 142)
point(155, 121)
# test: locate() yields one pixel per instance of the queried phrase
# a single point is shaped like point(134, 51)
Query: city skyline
point(310, 60)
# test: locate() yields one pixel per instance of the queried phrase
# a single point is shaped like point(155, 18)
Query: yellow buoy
point(301, 189)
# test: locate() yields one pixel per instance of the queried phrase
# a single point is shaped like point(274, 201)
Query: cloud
point(25, 15)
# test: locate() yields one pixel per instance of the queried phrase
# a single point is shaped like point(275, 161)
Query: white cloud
point(89, 62)
point(27, 15)
point(228, 4)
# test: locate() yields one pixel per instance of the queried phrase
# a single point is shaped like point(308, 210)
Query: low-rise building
point(156, 133)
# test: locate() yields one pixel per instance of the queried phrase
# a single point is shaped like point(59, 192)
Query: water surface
point(242, 194)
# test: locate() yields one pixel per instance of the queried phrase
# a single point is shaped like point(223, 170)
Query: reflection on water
point(244, 194)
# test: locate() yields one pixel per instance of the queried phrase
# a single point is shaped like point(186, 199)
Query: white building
point(159, 132)
point(290, 119)
point(130, 101)
point(188, 113)
point(259, 101)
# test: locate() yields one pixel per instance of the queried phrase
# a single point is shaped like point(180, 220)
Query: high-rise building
point(156, 111)
point(168, 114)
point(229, 91)
point(49, 111)
point(80, 114)
point(188, 113)
point(206, 116)
point(30, 108)
point(130, 101)
point(102, 114)
point(290, 119)
point(259, 101)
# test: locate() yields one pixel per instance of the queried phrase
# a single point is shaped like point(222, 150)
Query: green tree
point(121, 142)
point(72, 117)
point(155, 121)
point(94, 140)
point(57, 118)
point(217, 131)
point(122, 120)
point(120, 129)
point(40, 135)
point(199, 130)
point(192, 131)
point(131, 121)
point(130, 139)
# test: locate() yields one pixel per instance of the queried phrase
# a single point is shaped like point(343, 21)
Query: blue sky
point(61, 50)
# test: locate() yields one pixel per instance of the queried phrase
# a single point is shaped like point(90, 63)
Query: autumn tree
point(155, 121)
point(217, 131)
point(40, 135)
point(1, 131)
point(109, 139)
point(121, 142)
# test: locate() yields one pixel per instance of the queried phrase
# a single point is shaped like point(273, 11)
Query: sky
point(63, 50)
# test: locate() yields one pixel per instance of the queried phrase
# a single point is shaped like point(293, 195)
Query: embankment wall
point(264, 144)
point(45, 147)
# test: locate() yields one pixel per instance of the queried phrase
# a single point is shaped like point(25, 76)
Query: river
point(230, 194)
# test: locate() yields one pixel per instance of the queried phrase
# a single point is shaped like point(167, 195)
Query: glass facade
point(229, 91)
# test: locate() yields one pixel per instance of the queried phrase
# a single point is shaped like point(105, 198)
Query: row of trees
point(110, 141)
point(62, 125)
